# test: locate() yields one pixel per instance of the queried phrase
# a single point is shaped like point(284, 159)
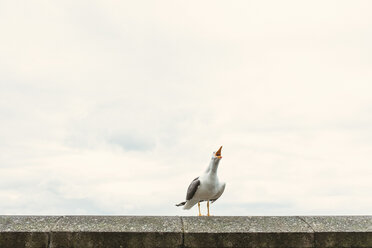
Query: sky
point(113, 107)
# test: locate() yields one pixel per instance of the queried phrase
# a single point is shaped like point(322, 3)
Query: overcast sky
point(113, 107)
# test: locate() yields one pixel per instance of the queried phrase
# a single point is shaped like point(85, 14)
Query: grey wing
point(194, 185)
point(219, 193)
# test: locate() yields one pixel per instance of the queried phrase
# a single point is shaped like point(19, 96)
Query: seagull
point(206, 187)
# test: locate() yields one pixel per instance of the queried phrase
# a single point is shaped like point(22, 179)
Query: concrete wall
point(167, 231)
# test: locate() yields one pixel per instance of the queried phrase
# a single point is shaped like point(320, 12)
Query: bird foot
point(201, 215)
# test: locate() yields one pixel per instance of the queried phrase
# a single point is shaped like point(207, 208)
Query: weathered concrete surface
point(341, 231)
point(166, 231)
point(117, 231)
point(25, 231)
point(247, 232)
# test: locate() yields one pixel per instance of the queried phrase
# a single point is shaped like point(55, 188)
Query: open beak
point(218, 153)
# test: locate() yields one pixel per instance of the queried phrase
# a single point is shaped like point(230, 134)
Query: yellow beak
point(218, 153)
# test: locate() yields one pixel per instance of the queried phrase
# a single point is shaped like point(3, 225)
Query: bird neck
point(213, 166)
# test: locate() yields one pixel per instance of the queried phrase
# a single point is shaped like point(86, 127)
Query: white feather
point(210, 187)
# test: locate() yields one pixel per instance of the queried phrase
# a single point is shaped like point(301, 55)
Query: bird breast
point(208, 188)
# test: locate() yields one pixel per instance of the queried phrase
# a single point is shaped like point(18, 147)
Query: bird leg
point(208, 208)
point(199, 209)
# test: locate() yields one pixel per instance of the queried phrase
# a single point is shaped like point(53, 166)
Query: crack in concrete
point(183, 232)
point(312, 229)
point(51, 230)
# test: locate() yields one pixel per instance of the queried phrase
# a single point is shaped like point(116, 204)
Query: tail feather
point(190, 203)
point(181, 204)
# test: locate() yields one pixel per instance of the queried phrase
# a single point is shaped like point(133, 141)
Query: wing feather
point(194, 185)
point(218, 195)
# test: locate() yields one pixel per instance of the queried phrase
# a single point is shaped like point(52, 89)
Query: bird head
point(217, 154)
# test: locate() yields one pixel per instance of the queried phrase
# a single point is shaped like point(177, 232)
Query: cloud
point(131, 143)
point(112, 108)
